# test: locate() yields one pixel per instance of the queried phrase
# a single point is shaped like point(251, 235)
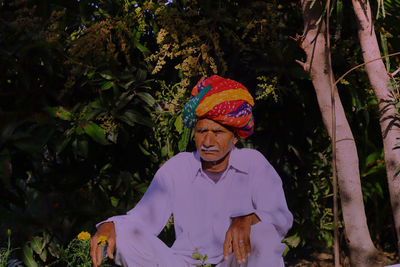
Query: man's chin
point(209, 158)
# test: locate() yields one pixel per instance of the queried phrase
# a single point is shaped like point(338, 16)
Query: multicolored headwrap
point(222, 100)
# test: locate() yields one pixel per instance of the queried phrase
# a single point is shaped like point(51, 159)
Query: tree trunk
point(313, 42)
point(379, 80)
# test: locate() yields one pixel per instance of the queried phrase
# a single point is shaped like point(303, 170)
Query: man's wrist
point(250, 218)
point(254, 219)
point(108, 225)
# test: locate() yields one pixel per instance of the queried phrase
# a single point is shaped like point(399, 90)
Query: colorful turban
point(222, 100)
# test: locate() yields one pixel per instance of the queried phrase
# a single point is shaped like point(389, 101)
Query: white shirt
point(203, 209)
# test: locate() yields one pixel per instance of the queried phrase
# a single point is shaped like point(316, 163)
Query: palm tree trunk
point(313, 42)
point(379, 80)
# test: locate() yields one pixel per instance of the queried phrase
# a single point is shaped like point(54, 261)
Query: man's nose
point(209, 140)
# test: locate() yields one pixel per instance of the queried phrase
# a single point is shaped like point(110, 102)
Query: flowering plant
point(77, 253)
point(83, 236)
point(5, 254)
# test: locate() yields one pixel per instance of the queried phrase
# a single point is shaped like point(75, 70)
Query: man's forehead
point(209, 124)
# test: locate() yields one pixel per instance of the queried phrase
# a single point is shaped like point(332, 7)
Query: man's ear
point(235, 139)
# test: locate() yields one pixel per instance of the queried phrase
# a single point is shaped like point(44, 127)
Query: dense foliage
point(91, 94)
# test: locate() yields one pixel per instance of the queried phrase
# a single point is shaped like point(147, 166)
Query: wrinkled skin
point(214, 143)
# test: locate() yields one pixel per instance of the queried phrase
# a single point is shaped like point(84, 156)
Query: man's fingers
point(99, 254)
point(237, 243)
point(242, 249)
point(110, 248)
point(93, 246)
point(248, 248)
point(236, 250)
point(107, 232)
point(240, 236)
point(96, 260)
point(227, 245)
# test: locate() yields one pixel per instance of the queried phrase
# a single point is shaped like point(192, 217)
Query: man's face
point(213, 141)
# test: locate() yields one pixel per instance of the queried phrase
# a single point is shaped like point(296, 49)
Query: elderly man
point(227, 203)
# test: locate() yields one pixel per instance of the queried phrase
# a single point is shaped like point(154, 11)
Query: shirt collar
point(235, 161)
point(196, 164)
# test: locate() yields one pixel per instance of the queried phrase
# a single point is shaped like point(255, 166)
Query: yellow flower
point(83, 236)
point(102, 239)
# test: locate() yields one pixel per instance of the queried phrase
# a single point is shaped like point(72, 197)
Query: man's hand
point(237, 238)
point(96, 250)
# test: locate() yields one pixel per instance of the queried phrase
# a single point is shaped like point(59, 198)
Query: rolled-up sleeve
point(268, 197)
point(152, 211)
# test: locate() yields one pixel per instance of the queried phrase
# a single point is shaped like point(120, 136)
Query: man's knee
point(266, 245)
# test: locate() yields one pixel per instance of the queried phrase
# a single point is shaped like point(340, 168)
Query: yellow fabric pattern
point(229, 95)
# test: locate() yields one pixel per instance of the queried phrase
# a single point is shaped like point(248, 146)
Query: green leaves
point(202, 258)
point(59, 112)
point(38, 246)
point(374, 164)
point(107, 85)
point(385, 48)
point(147, 98)
point(141, 47)
point(95, 132)
point(131, 117)
point(77, 253)
point(292, 242)
point(141, 75)
point(184, 134)
point(114, 201)
point(178, 124)
point(107, 75)
point(197, 256)
point(183, 142)
point(339, 19)
point(28, 257)
point(36, 250)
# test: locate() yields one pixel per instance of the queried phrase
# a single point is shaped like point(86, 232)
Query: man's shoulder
point(182, 156)
point(249, 155)
point(179, 161)
point(248, 159)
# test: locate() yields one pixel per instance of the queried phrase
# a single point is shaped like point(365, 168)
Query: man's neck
point(216, 166)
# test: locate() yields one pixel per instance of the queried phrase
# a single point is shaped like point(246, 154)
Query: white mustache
point(211, 148)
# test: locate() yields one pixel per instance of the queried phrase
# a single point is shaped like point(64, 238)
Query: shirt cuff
point(263, 216)
point(242, 213)
point(111, 219)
